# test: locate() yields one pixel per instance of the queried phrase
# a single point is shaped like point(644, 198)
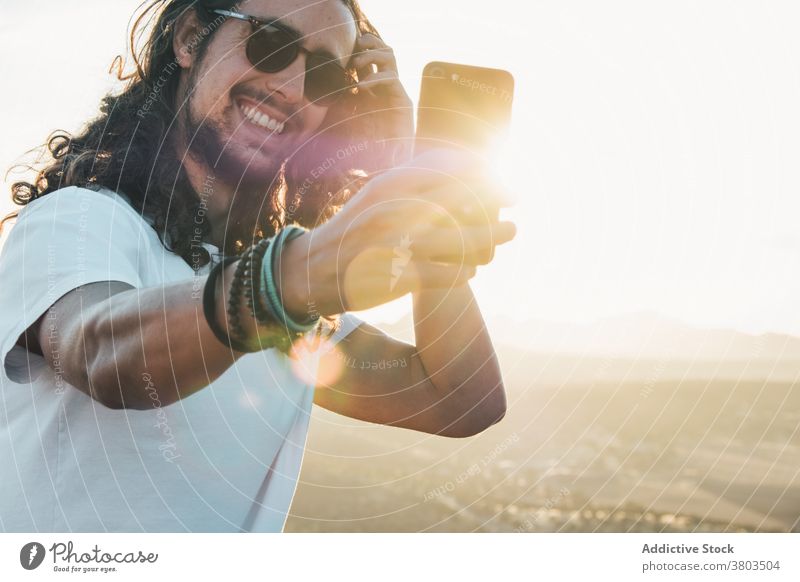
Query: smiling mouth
point(261, 119)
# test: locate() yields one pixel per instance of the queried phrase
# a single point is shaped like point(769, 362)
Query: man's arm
point(448, 384)
point(107, 337)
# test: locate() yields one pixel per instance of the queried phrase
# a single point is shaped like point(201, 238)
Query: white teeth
point(262, 120)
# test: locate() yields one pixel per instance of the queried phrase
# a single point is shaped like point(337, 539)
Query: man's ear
point(186, 39)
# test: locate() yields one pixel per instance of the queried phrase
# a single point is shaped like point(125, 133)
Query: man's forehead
point(324, 24)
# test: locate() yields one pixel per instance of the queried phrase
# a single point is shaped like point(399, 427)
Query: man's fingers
point(469, 245)
point(443, 177)
point(382, 58)
point(376, 79)
point(370, 42)
point(451, 162)
point(406, 181)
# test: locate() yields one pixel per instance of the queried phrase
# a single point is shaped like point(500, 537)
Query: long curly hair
point(126, 147)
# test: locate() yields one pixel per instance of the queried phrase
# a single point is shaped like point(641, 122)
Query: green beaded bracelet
point(269, 289)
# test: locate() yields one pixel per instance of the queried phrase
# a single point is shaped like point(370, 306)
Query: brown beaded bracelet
point(252, 287)
point(246, 282)
point(209, 308)
point(235, 296)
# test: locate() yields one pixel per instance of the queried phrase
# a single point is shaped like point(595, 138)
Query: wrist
point(252, 333)
point(292, 278)
point(222, 291)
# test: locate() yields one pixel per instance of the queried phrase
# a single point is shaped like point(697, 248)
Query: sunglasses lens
point(326, 80)
point(271, 49)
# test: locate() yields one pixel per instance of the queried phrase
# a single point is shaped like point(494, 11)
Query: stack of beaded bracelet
point(210, 308)
point(254, 279)
point(247, 282)
point(254, 256)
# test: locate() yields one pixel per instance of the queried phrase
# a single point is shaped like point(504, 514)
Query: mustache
point(263, 98)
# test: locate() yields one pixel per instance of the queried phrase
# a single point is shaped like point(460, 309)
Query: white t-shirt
point(226, 458)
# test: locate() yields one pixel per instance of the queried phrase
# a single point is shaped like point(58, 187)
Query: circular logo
point(31, 555)
point(437, 73)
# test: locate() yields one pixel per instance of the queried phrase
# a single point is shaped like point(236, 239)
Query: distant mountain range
point(637, 335)
point(639, 345)
point(643, 335)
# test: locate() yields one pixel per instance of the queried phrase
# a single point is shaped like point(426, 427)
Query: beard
point(225, 160)
point(275, 191)
point(257, 205)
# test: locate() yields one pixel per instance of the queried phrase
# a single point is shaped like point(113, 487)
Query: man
point(123, 410)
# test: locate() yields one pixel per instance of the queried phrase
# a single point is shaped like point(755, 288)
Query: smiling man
point(177, 288)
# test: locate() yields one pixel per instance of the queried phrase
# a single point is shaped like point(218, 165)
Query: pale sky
point(655, 146)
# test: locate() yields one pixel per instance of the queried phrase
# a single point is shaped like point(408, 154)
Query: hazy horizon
point(588, 444)
point(654, 163)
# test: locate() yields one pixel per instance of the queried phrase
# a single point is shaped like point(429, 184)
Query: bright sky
point(655, 145)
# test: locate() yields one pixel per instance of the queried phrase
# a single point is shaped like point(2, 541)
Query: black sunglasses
point(272, 47)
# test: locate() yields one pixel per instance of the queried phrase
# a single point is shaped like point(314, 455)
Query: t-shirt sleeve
point(65, 239)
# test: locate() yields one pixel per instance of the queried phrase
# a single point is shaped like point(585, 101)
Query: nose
point(288, 85)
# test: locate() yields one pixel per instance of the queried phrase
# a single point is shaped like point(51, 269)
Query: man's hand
point(382, 96)
point(423, 226)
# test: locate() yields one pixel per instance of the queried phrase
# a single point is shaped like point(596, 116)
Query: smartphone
point(462, 106)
